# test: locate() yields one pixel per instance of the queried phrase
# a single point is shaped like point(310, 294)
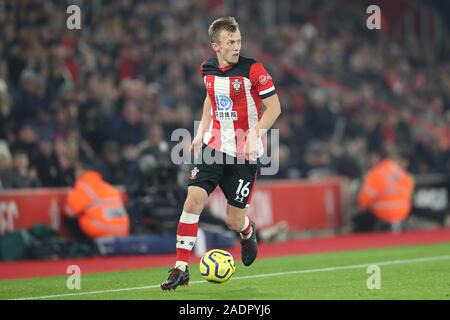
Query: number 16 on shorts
point(242, 191)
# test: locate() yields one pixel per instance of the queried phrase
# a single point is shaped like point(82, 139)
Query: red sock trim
point(183, 255)
point(248, 229)
point(187, 230)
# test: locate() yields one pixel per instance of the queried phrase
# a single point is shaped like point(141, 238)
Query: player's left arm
point(273, 111)
point(262, 82)
point(270, 115)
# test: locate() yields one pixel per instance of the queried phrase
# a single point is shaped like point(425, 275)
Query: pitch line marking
point(355, 266)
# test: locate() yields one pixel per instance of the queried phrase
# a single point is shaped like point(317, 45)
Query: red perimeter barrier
point(303, 205)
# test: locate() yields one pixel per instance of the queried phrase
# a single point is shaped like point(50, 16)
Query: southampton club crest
point(194, 173)
point(236, 85)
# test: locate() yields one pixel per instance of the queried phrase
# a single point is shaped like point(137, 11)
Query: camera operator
point(154, 195)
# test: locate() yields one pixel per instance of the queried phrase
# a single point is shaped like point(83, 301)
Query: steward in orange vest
point(97, 205)
point(386, 193)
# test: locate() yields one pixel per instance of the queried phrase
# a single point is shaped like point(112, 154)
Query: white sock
point(200, 246)
point(245, 227)
point(181, 265)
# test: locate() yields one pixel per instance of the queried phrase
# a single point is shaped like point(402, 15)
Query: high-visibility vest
point(99, 207)
point(387, 192)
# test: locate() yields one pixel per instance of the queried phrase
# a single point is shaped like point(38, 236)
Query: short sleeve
point(261, 80)
point(201, 70)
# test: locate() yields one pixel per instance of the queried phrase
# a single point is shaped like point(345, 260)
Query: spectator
point(8, 179)
point(113, 170)
point(128, 128)
point(116, 79)
point(5, 107)
point(26, 140)
point(30, 96)
point(47, 165)
point(67, 155)
point(26, 176)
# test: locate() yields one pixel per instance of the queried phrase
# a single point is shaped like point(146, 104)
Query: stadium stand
point(130, 76)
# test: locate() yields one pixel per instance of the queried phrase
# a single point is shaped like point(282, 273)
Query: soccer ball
point(217, 266)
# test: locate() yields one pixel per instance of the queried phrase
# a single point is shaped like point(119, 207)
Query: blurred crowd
point(118, 87)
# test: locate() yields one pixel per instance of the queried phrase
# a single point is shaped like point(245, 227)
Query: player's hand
point(196, 145)
point(251, 149)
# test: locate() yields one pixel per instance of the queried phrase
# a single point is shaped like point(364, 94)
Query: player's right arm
point(204, 125)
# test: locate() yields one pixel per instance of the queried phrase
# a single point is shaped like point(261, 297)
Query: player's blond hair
point(225, 23)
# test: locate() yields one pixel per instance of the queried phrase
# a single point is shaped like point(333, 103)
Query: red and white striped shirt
point(236, 93)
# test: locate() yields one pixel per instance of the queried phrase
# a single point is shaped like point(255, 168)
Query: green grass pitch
point(407, 272)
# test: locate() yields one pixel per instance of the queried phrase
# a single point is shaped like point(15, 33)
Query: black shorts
point(235, 180)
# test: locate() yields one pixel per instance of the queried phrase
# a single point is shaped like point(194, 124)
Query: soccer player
point(231, 128)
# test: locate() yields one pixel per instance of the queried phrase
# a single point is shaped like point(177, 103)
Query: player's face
point(228, 47)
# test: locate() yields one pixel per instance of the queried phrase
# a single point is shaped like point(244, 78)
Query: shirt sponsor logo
point(224, 102)
point(224, 106)
point(226, 115)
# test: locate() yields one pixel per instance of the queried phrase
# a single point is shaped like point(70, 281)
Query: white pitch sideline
point(275, 274)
